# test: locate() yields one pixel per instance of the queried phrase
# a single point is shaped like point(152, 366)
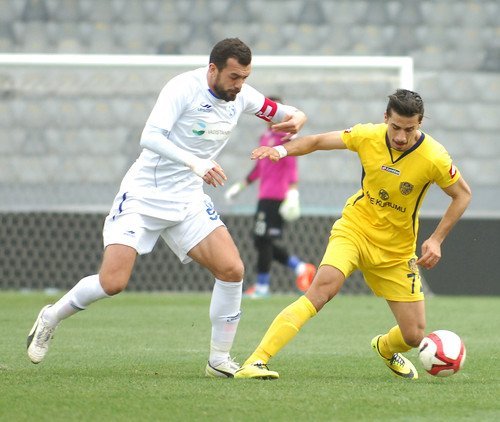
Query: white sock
point(225, 315)
point(85, 292)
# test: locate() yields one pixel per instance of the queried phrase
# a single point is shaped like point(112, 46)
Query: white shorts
point(182, 230)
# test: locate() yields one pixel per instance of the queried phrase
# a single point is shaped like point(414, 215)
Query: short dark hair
point(230, 48)
point(406, 103)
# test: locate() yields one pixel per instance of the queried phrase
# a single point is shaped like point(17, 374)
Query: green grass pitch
point(141, 357)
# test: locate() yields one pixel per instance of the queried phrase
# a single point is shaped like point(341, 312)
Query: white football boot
point(39, 338)
point(225, 369)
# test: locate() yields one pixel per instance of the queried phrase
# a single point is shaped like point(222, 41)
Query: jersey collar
point(404, 154)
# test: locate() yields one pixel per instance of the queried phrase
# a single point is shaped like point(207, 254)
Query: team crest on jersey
point(383, 194)
point(231, 110)
point(405, 188)
point(348, 130)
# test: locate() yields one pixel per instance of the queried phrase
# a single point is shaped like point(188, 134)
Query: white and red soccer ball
point(442, 353)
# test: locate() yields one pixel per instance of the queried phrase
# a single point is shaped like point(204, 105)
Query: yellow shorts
point(388, 275)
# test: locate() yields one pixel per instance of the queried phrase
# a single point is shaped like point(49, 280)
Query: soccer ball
point(442, 353)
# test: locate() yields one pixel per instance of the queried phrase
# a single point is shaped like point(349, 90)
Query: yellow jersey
point(386, 208)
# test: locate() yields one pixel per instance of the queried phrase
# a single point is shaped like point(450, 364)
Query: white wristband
point(281, 150)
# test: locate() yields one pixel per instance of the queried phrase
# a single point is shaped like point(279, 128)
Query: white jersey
point(193, 119)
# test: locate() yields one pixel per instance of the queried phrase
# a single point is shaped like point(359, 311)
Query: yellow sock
point(283, 329)
point(392, 342)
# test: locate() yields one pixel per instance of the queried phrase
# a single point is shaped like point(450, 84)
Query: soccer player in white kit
point(162, 195)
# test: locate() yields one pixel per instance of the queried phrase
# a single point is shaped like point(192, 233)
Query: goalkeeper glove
point(233, 191)
point(290, 207)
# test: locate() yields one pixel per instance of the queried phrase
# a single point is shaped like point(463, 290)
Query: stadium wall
point(54, 250)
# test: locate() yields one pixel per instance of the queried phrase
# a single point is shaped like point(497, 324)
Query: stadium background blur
point(67, 135)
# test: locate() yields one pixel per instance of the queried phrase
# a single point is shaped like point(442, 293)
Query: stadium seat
point(7, 40)
point(312, 13)
point(132, 11)
point(345, 12)
point(130, 38)
point(368, 40)
point(272, 40)
point(475, 14)
point(176, 33)
point(403, 13)
point(485, 116)
point(450, 115)
point(32, 37)
point(71, 42)
point(9, 12)
point(98, 11)
point(335, 43)
point(477, 143)
point(301, 39)
point(249, 32)
point(64, 10)
point(438, 13)
point(429, 86)
point(13, 140)
point(487, 86)
point(481, 171)
point(66, 113)
point(274, 12)
point(39, 114)
point(35, 10)
point(457, 87)
point(97, 37)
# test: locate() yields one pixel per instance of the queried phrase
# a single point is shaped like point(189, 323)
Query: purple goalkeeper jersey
point(275, 177)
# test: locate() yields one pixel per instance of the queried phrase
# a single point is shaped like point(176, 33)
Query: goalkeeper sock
point(283, 329)
point(263, 282)
point(392, 342)
point(293, 262)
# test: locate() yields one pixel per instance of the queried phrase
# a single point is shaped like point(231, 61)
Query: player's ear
point(386, 117)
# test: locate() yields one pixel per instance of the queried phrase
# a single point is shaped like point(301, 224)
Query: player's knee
point(113, 284)
point(231, 271)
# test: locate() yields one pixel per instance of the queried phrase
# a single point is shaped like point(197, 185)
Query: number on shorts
point(413, 276)
point(212, 214)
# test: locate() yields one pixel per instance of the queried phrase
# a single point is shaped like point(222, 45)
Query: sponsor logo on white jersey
point(205, 107)
point(219, 131)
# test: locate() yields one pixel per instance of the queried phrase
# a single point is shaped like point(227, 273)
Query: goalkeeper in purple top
point(278, 202)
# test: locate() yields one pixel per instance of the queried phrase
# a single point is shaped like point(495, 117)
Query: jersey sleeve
point(446, 174)
point(263, 107)
point(170, 104)
point(354, 136)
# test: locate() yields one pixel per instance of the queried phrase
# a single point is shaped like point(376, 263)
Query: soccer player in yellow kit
point(378, 229)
